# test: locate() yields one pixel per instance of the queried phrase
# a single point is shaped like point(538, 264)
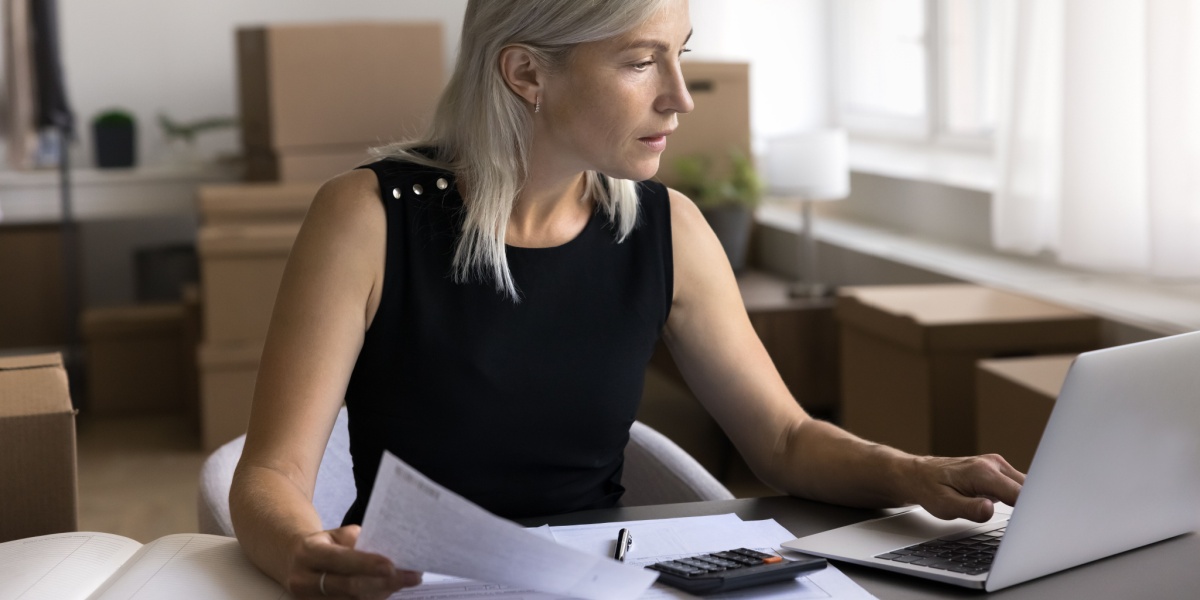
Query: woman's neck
point(548, 212)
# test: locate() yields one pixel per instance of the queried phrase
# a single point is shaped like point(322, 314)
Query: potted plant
point(181, 136)
point(727, 200)
point(114, 133)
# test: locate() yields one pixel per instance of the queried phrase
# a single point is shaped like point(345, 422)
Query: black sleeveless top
point(523, 408)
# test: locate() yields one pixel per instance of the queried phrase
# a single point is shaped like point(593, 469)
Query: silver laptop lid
point(1118, 466)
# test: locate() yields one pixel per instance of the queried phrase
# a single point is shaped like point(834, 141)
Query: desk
point(1168, 569)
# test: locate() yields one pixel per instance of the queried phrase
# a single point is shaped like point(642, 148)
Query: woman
point(486, 302)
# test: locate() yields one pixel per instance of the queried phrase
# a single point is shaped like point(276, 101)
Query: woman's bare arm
point(719, 353)
point(326, 301)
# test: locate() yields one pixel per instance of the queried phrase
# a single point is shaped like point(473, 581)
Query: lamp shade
point(811, 166)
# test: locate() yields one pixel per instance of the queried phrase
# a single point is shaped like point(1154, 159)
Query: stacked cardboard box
point(1014, 397)
point(909, 352)
point(720, 123)
point(246, 234)
point(32, 305)
point(314, 98)
point(37, 448)
point(136, 359)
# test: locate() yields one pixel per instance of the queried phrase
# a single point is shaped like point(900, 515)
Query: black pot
point(115, 144)
point(732, 225)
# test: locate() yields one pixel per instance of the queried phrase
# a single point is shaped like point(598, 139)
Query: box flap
point(1042, 374)
point(255, 201)
point(963, 316)
point(32, 361)
point(33, 385)
point(244, 239)
point(132, 321)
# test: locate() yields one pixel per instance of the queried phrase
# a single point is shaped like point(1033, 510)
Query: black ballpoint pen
point(624, 541)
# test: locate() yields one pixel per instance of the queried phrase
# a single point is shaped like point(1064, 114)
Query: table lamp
point(808, 167)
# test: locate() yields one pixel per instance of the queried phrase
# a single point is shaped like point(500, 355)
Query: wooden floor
point(138, 475)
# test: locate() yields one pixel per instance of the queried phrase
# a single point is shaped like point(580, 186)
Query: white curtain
point(1098, 137)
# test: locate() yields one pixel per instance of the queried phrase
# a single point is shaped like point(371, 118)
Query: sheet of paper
point(65, 566)
point(667, 539)
point(190, 566)
point(658, 540)
point(421, 525)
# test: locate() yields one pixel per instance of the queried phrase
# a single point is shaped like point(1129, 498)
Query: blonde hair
point(482, 129)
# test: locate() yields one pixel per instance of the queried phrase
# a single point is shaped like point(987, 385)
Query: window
point(922, 70)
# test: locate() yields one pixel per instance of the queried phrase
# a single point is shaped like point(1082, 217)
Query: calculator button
point(698, 564)
point(766, 558)
point(738, 558)
point(680, 570)
point(717, 560)
point(752, 553)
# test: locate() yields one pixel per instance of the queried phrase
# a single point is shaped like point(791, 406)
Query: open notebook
point(102, 566)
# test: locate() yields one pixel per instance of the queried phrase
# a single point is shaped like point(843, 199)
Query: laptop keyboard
point(971, 555)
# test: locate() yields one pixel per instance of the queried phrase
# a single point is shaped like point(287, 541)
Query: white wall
point(152, 56)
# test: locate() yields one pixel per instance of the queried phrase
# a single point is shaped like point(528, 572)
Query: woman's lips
point(657, 143)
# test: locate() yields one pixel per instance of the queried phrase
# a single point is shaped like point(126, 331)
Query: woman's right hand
point(326, 565)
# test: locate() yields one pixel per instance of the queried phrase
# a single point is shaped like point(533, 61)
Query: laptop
point(1118, 467)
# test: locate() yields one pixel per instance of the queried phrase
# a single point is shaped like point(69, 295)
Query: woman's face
point(611, 108)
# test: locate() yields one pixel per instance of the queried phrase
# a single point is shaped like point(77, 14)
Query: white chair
point(656, 472)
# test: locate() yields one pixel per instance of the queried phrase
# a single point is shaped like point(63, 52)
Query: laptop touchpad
point(919, 524)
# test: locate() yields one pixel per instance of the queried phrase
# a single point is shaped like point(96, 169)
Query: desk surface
point(1168, 569)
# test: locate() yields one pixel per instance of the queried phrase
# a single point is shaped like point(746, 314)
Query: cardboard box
point(37, 448)
point(135, 359)
point(228, 372)
point(908, 357)
point(1014, 397)
point(251, 203)
point(32, 307)
point(720, 122)
point(241, 267)
point(365, 84)
point(314, 166)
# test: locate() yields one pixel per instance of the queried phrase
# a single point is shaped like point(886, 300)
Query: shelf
point(97, 194)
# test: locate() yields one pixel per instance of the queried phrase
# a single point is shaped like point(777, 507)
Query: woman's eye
point(642, 66)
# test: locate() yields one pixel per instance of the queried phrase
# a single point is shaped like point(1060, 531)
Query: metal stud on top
point(442, 183)
point(417, 189)
point(396, 193)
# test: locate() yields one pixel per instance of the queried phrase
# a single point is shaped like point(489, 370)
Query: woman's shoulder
point(409, 174)
point(406, 162)
point(686, 219)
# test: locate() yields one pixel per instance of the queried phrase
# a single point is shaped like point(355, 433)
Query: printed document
point(422, 526)
point(468, 553)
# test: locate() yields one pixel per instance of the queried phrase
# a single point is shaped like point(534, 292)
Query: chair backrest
point(657, 471)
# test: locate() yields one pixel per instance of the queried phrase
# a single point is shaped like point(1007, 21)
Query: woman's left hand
point(951, 488)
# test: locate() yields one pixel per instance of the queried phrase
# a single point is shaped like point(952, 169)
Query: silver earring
point(537, 105)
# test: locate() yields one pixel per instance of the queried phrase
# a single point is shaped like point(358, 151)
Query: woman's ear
point(521, 73)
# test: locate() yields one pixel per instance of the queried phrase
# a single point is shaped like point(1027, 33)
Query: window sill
point(953, 167)
point(1163, 307)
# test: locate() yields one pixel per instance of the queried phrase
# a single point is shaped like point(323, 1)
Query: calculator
point(731, 570)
